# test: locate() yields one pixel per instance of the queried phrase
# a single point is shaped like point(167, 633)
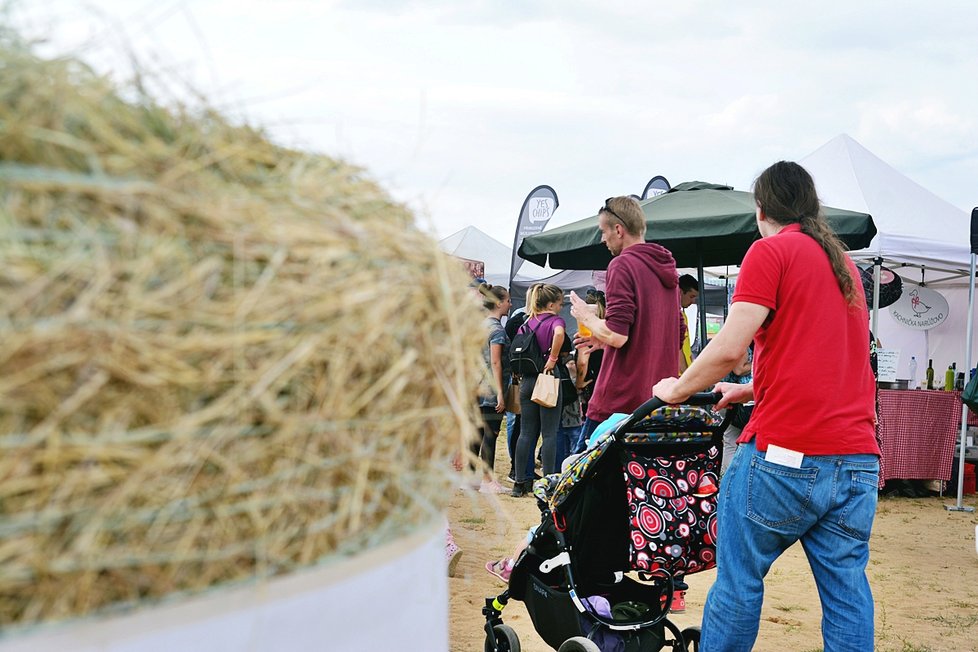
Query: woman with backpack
point(543, 302)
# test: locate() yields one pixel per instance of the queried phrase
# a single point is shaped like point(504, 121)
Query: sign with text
point(657, 185)
point(886, 364)
point(920, 309)
point(538, 208)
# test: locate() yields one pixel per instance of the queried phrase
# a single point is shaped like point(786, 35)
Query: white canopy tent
point(473, 244)
point(920, 236)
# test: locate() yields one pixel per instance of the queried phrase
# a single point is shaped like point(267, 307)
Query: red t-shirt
point(813, 386)
point(643, 303)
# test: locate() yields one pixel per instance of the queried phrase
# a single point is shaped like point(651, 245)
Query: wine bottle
point(930, 374)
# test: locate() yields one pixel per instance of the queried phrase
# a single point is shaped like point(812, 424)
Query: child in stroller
point(642, 500)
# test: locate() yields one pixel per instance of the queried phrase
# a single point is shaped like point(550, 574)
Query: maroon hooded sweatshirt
point(642, 297)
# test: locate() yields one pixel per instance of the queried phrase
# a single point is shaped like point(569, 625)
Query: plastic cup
point(583, 330)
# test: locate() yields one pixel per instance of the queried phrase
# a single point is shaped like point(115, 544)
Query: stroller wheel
point(691, 635)
point(579, 644)
point(506, 640)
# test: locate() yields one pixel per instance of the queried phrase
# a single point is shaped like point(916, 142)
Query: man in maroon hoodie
point(640, 331)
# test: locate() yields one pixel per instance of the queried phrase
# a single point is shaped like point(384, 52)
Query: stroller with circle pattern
point(641, 501)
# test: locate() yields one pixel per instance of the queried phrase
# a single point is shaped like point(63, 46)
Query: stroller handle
point(654, 403)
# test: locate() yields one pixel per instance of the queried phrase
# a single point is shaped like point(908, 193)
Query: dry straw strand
point(220, 359)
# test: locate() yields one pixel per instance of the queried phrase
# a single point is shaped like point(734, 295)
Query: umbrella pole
point(958, 506)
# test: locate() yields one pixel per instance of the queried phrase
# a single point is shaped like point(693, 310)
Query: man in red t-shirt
point(808, 466)
point(640, 331)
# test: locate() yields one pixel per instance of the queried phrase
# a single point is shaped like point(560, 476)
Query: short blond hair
point(628, 211)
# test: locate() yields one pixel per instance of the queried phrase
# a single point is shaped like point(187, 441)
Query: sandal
point(501, 569)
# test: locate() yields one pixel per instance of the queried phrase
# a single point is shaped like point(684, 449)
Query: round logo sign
point(920, 308)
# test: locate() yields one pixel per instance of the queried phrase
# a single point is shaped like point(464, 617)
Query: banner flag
point(656, 186)
point(538, 207)
point(974, 230)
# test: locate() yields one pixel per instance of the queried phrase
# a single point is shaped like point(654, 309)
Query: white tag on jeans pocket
point(783, 456)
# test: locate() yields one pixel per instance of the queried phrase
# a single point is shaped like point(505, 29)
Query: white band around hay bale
point(220, 360)
point(388, 598)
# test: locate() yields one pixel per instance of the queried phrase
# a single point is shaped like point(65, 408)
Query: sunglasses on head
point(607, 209)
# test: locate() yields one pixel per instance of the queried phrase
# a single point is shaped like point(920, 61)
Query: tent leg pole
point(958, 506)
point(875, 312)
point(701, 306)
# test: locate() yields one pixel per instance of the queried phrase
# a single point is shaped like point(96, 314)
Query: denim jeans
point(536, 422)
point(828, 504)
point(587, 429)
point(567, 437)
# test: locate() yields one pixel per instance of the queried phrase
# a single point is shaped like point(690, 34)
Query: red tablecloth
point(920, 430)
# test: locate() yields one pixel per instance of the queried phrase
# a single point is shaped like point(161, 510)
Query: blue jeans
point(567, 437)
point(829, 505)
point(587, 429)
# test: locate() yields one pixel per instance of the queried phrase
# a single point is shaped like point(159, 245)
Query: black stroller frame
point(582, 548)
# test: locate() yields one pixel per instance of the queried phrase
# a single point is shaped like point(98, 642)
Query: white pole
point(958, 507)
point(877, 266)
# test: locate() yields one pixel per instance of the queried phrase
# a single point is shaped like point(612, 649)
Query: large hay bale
point(219, 359)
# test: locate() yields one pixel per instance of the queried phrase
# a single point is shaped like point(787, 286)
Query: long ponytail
point(819, 230)
point(541, 295)
point(786, 194)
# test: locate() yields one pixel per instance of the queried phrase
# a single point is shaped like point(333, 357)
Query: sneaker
point(452, 554)
point(492, 487)
point(501, 569)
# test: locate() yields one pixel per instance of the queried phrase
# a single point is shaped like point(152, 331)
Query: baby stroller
point(640, 500)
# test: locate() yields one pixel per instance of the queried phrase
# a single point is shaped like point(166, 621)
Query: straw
point(220, 359)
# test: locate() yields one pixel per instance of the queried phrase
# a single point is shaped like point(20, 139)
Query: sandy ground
point(923, 570)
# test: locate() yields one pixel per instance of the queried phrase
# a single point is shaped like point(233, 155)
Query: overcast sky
point(460, 108)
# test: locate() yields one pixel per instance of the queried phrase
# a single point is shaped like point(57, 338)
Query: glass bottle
point(930, 374)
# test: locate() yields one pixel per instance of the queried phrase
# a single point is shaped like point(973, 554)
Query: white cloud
point(462, 108)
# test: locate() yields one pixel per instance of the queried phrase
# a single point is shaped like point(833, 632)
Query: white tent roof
point(916, 229)
point(474, 244)
point(914, 225)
